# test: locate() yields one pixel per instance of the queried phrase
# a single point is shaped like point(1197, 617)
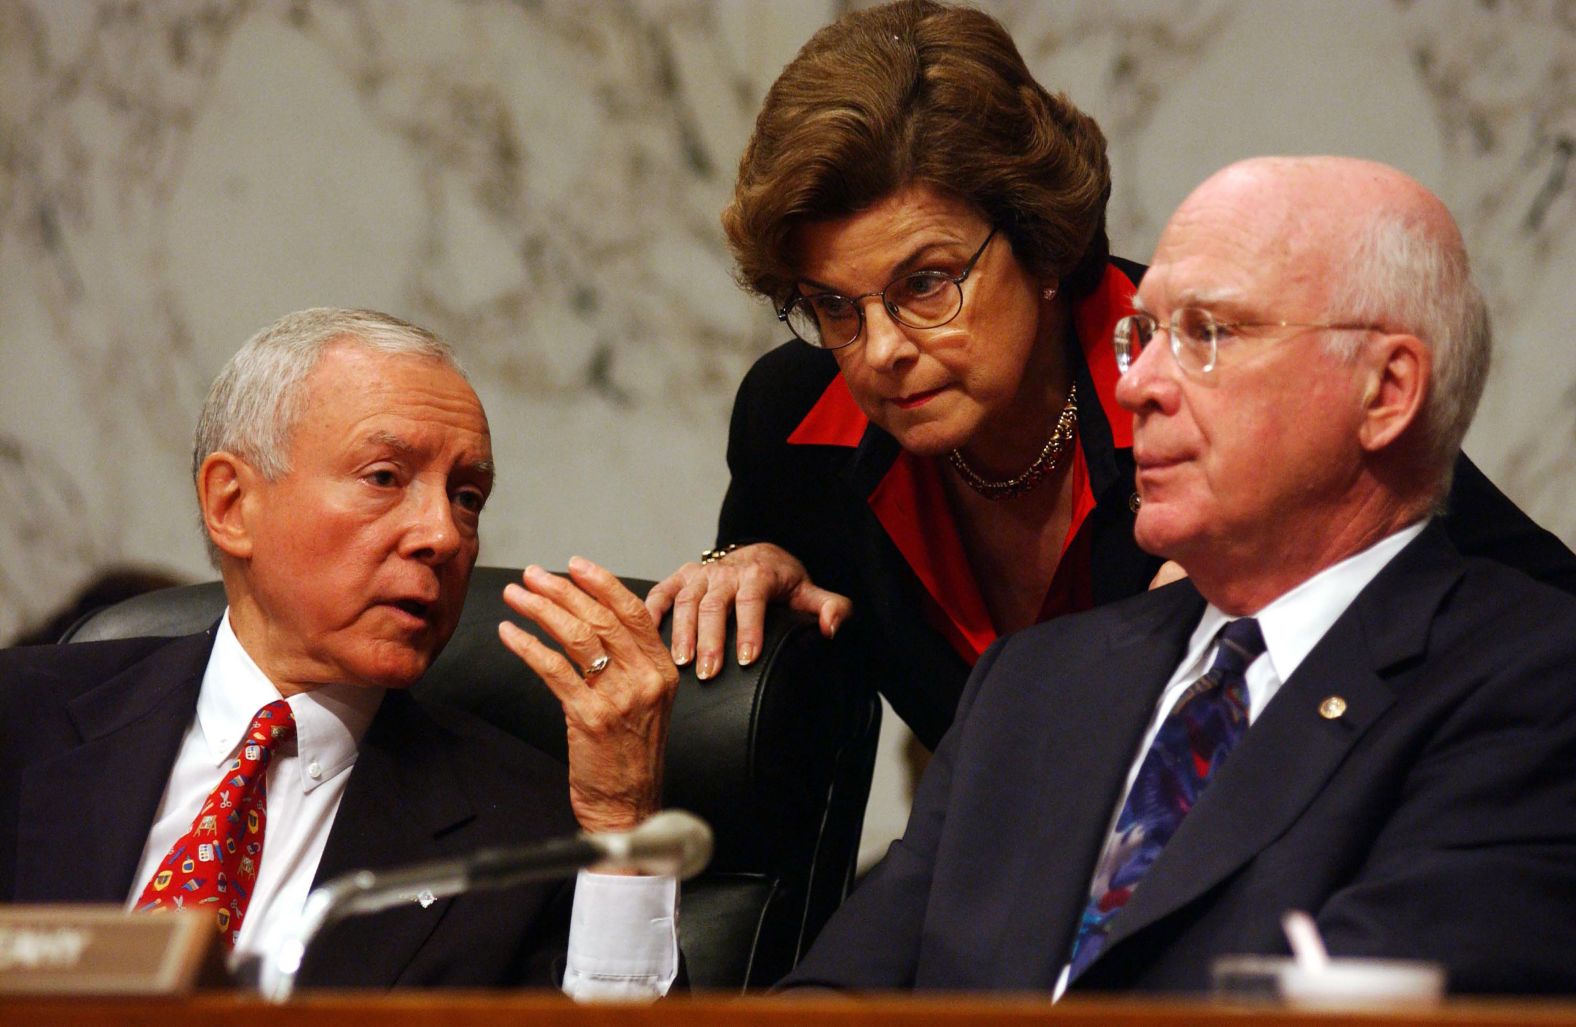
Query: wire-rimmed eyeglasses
point(1197, 335)
point(918, 299)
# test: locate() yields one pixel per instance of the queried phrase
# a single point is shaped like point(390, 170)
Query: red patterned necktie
point(214, 864)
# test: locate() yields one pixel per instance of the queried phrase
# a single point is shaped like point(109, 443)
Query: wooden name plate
point(101, 950)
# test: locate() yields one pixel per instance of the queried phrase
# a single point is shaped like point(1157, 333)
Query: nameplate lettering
point(101, 950)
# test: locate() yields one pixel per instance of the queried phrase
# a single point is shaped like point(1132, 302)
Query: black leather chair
point(776, 757)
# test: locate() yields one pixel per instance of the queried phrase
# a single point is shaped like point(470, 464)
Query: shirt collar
point(1295, 622)
point(330, 720)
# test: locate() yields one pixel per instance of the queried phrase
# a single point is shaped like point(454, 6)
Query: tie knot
point(1241, 642)
point(273, 724)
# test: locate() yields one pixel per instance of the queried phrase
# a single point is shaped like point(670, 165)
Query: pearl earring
point(1049, 293)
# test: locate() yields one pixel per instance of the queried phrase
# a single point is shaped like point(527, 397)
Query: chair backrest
point(776, 756)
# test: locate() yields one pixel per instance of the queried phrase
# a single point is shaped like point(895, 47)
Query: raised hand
point(615, 680)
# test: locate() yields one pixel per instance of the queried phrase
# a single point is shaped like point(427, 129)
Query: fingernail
point(746, 654)
point(578, 563)
point(707, 668)
point(682, 657)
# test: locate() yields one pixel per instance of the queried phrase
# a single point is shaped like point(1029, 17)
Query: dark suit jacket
point(814, 501)
point(88, 734)
point(1436, 818)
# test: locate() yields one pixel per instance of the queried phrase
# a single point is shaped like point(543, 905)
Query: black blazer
point(88, 734)
point(1435, 819)
point(814, 502)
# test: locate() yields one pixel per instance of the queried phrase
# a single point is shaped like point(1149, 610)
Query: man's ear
point(1397, 373)
point(227, 492)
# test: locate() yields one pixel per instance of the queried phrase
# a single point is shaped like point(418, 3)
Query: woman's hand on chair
point(742, 582)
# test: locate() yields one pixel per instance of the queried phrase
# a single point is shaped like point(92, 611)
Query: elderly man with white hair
point(341, 464)
point(1336, 712)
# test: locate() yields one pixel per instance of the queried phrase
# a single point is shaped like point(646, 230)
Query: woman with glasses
point(937, 458)
point(937, 451)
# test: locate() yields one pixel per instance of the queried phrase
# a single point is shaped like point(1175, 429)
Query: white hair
point(253, 404)
point(1406, 277)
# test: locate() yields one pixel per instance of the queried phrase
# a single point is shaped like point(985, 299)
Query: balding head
point(1327, 351)
point(1331, 195)
point(1362, 242)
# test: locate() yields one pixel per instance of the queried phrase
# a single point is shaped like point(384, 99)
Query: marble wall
point(540, 182)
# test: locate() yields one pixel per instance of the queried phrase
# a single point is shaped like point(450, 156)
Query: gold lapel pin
point(1332, 707)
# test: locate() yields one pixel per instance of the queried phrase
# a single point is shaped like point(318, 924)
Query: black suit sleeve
point(1473, 868)
point(775, 493)
point(873, 940)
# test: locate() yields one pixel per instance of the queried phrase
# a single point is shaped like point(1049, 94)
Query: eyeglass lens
point(925, 299)
point(1194, 334)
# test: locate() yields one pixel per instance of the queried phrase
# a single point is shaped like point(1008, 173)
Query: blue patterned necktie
point(1192, 743)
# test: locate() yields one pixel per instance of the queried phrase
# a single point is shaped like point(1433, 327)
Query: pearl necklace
point(1044, 464)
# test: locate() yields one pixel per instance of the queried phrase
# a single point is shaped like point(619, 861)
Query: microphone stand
point(673, 843)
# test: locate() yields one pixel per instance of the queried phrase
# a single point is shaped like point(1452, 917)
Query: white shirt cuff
point(623, 938)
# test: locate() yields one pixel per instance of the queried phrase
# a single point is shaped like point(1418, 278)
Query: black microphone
point(671, 842)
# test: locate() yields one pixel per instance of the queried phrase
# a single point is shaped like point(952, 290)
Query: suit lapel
point(84, 816)
point(1292, 750)
point(403, 804)
point(1078, 778)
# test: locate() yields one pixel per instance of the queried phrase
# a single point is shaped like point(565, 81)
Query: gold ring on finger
point(598, 665)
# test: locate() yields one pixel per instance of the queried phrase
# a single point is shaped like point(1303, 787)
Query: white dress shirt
point(623, 941)
point(1292, 625)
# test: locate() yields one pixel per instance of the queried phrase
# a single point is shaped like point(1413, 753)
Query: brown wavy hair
point(920, 92)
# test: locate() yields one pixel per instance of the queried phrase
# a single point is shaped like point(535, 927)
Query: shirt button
point(314, 770)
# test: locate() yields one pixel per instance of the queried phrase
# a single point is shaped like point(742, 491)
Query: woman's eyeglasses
point(919, 299)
